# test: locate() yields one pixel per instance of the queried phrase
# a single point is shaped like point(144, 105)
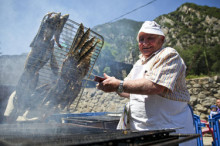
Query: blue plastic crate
point(198, 128)
point(214, 122)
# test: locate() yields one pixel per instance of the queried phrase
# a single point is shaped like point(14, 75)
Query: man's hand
point(110, 84)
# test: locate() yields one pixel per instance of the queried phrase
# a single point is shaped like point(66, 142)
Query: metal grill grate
point(66, 39)
point(46, 76)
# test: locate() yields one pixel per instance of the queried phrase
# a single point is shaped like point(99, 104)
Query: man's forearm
point(142, 86)
point(138, 86)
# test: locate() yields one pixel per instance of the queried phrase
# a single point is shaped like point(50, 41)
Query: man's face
point(218, 102)
point(149, 43)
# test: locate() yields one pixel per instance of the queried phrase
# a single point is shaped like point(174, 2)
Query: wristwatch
point(120, 87)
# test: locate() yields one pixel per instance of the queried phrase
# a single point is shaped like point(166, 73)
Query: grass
point(202, 76)
point(195, 76)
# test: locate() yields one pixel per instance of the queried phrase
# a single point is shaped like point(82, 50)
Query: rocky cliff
point(191, 24)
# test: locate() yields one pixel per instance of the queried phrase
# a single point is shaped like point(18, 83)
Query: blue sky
point(20, 19)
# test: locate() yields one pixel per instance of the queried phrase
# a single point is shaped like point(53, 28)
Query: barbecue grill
point(72, 134)
point(85, 129)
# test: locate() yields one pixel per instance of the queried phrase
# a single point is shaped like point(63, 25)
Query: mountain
point(191, 24)
point(194, 31)
point(120, 40)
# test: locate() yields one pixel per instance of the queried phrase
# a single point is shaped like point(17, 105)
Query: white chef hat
point(150, 27)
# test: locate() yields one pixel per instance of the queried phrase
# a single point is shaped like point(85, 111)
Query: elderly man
point(156, 86)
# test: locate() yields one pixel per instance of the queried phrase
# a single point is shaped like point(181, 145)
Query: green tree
point(213, 56)
point(194, 59)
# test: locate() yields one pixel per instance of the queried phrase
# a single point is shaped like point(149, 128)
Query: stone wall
point(203, 91)
point(94, 100)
